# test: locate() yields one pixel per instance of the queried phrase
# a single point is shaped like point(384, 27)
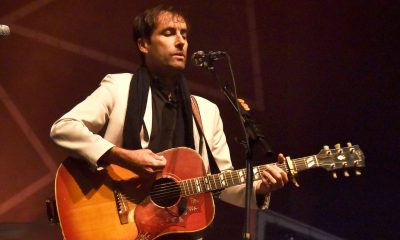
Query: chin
point(179, 67)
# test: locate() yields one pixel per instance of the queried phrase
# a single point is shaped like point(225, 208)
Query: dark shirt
point(168, 129)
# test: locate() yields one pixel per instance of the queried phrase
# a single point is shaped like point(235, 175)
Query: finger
point(265, 185)
point(285, 177)
point(160, 160)
point(274, 171)
point(268, 178)
point(157, 164)
point(281, 158)
point(159, 157)
point(155, 157)
point(282, 175)
point(278, 175)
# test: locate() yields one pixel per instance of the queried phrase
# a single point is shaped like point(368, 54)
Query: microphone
point(4, 31)
point(203, 59)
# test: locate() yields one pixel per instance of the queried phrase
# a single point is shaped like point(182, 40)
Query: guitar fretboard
point(226, 179)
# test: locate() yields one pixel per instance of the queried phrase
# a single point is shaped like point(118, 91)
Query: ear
point(143, 45)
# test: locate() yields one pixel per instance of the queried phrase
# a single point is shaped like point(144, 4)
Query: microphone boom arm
point(254, 135)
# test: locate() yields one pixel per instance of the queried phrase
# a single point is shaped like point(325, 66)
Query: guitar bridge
point(122, 207)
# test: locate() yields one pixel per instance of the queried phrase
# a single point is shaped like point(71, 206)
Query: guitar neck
point(226, 179)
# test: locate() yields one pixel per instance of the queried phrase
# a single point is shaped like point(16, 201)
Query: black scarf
point(137, 101)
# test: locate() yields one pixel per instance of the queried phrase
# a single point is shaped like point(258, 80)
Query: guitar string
point(297, 163)
point(164, 185)
point(261, 167)
point(192, 185)
point(162, 190)
point(175, 191)
point(160, 187)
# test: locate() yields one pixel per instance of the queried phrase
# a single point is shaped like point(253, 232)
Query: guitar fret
point(201, 184)
point(207, 183)
point(189, 187)
point(215, 178)
point(182, 187)
point(215, 183)
point(312, 161)
point(242, 176)
point(230, 178)
point(233, 177)
point(236, 177)
point(222, 180)
point(256, 173)
point(282, 166)
point(198, 185)
point(193, 185)
point(305, 163)
point(295, 166)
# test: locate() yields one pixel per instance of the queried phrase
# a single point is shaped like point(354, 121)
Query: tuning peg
point(346, 173)
point(349, 144)
point(337, 146)
point(328, 151)
point(334, 175)
point(358, 172)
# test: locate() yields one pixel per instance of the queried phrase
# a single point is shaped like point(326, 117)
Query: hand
point(142, 161)
point(272, 178)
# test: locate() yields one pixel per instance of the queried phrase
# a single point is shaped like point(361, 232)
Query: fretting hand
point(272, 178)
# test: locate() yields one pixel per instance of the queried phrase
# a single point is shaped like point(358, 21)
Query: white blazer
point(77, 131)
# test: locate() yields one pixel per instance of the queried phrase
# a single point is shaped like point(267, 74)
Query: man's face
point(166, 51)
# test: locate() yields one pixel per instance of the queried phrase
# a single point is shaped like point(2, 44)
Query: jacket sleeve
point(77, 131)
point(235, 195)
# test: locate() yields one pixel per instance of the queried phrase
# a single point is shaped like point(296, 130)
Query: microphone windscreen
point(198, 58)
point(4, 31)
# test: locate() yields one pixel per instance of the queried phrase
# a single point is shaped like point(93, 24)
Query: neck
point(167, 76)
point(165, 82)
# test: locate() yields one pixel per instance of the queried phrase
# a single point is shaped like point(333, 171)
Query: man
point(151, 111)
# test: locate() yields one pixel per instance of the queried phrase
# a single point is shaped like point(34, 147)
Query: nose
point(180, 41)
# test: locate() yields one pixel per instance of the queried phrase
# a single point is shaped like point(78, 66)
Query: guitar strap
point(197, 119)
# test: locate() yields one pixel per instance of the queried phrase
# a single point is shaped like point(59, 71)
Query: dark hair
point(145, 23)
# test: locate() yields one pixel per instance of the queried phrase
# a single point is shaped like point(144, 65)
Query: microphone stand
point(253, 136)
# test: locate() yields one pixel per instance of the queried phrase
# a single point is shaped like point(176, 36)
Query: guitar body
point(117, 204)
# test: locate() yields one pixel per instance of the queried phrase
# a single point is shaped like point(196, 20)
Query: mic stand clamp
point(253, 136)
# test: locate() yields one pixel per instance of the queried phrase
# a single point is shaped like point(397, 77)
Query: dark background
point(314, 73)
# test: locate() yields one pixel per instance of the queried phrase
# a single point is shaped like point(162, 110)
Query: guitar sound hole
point(165, 192)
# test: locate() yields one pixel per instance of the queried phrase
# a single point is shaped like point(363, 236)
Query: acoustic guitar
point(115, 203)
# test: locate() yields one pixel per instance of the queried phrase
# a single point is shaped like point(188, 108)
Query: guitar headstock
point(341, 158)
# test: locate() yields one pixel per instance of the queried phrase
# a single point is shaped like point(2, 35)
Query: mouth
point(179, 55)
